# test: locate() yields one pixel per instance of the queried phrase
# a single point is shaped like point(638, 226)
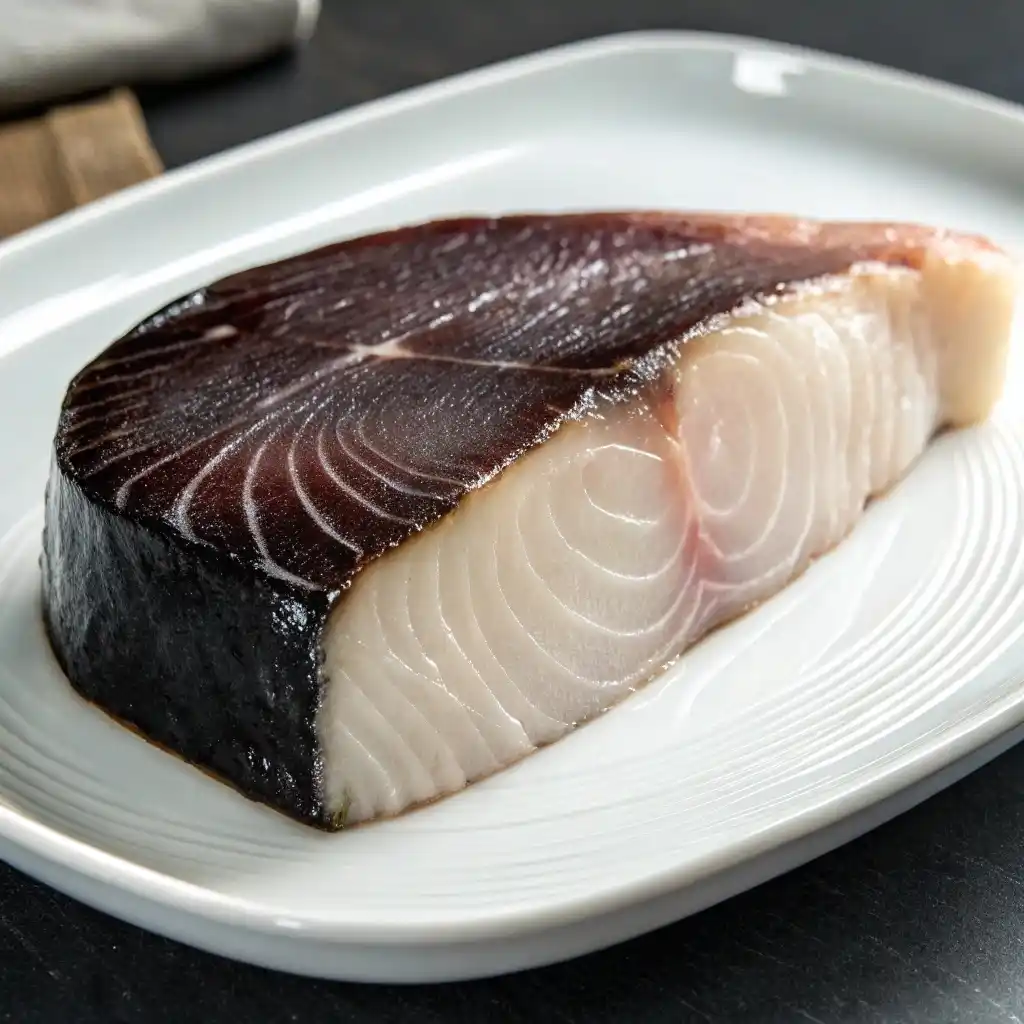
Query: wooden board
point(70, 156)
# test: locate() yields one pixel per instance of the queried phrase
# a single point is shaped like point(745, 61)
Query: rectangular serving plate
point(817, 717)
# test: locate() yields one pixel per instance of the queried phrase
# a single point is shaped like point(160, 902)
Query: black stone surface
point(919, 921)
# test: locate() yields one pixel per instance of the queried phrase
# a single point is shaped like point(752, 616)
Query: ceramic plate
point(894, 666)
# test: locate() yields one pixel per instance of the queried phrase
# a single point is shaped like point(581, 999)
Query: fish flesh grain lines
point(353, 530)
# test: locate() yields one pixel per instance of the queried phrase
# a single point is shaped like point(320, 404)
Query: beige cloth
point(52, 49)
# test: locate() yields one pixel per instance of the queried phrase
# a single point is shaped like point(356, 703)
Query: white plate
point(891, 668)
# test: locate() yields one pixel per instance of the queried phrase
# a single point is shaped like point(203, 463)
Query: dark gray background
point(923, 920)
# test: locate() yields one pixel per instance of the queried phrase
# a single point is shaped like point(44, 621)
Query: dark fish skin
point(208, 660)
point(223, 471)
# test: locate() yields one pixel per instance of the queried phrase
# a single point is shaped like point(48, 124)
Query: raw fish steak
point(354, 529)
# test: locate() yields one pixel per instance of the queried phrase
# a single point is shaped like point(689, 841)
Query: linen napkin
point(51, 49)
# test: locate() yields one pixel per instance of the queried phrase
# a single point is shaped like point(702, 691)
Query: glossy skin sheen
point(224, 471)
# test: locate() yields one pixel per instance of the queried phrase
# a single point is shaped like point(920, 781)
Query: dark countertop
point(922, 920)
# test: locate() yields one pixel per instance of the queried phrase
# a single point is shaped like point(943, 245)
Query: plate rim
point(578, 52)
point(939, 751)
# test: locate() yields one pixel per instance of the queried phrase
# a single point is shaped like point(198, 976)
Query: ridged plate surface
point(892, 666)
